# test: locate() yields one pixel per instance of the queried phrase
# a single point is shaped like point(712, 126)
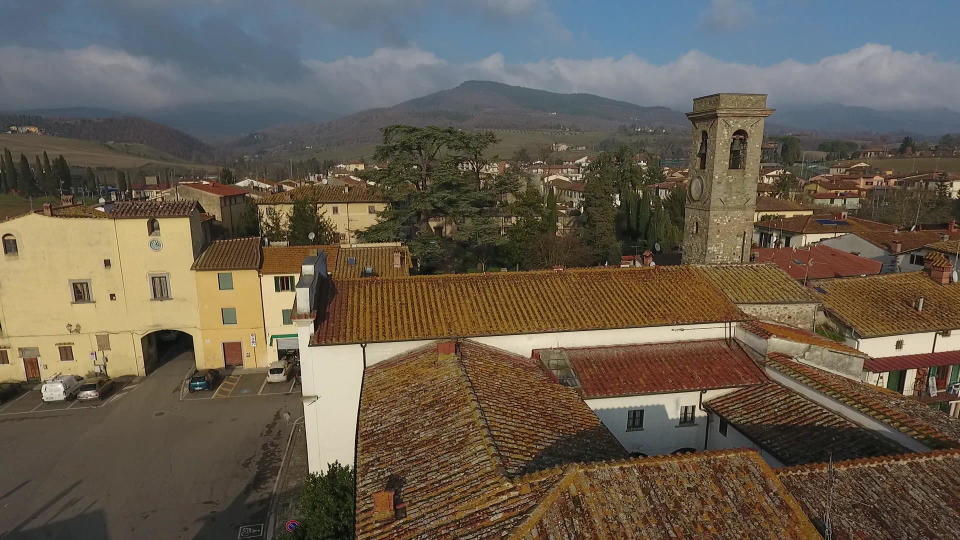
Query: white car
point(279, 372)
point(60, 388)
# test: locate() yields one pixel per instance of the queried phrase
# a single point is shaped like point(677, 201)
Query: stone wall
point(799, 315)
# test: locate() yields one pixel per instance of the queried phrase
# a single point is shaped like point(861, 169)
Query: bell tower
point(724, 171)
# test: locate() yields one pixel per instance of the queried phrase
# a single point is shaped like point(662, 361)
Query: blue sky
point(344, 55)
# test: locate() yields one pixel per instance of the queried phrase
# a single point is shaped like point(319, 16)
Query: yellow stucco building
point(351, 209)
point(229, 304)
point(91, 291)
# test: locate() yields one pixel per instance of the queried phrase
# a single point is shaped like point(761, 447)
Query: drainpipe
point(706, 434)
point(356, 432)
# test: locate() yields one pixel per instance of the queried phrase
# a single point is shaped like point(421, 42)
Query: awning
point(280, 336)
point(285, 344)
point(912, 361)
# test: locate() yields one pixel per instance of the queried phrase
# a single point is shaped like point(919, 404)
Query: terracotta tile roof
point(289, 259)
point(772, 204)
point(727, 494)
point(324, 194)
point(503, 303)
point(152, 209)
point(220, 190)
point(796, 430)
point(233, 254)
point(766, 330)
point(884, 305)
point(817, 262)
point(845, 195)
point(823, 224)
point(454, 428)
point(756, 284)
point(76, 210)
point(928, 426)
point(627, 370)
point(351, 261)
point(908, 496)
point(909, 240)
point(912, 361)
point(950, 247)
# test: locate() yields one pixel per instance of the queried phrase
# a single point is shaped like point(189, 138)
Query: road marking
point(75, 401)
point(294, 383)
point(37, 407)
point(272, 509)
point(183, 383)
point(264, 383)
point(16, 399)
point(230, 384)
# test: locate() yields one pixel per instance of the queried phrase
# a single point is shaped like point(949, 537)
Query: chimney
point(648, 258)
point(47, 209)
point(446, 348)
point(896, 246)
point(558, 269)
point(397, 259)
point(945, 236)
point(919, 304)
point(66, 199)
point(938, 267)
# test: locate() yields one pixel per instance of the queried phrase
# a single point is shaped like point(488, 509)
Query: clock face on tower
point(696, 188)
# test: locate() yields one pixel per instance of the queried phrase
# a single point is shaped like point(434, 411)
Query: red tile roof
point(909, 240)
point(152, 209)
point(890, 498)
point(626, 370)
point(822, 224)
point(931, 427)
point(221, 190)
point(289, 259)
point(772, 204)
point(233, 254)
point(370, 310)
point(817, 262)
point(796, 430)
point(766, 330)
point(912, 361)
point(756, 284)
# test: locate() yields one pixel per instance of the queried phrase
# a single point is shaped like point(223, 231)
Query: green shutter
point(955, 374)
point(225, 281)
point(287, 316)
point(276, 284)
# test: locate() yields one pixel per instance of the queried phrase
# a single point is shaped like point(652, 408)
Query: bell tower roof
point(750, 105)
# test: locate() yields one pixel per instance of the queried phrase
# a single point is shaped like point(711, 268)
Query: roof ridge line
point(570, 473)
point(478, 410)
point(875, 460)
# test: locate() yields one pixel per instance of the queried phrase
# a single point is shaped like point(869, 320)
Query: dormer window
point(10, 244)
point(153, 227)
point(738, 149)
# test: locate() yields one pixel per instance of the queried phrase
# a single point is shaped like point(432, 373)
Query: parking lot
point(29, 402)
point(246, 384)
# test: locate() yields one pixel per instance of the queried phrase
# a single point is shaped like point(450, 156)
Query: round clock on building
point(156, 244)
point(696, 188)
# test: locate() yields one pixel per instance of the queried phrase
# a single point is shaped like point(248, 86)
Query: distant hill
point(229, 120)
point(473, 105)
point(125, 129)
point(844, 119)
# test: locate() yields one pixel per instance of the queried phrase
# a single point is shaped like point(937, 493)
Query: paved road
point(146, 465)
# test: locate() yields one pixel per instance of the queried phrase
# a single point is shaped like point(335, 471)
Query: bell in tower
point(724, 171)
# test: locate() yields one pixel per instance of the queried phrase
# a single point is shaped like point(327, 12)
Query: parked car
point(203, 380)
point(9, 390)
point(60, 388)
point(279, 372)
point(95, 389)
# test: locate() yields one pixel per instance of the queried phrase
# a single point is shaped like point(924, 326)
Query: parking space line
point(232, 381)
point(71, 405)
point(14, 400)
point(263, 384)
point(37, 407)
point(294, 383)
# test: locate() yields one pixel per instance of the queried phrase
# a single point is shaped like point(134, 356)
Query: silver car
point(94, 389)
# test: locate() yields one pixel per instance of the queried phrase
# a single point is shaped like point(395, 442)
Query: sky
point(346, 55)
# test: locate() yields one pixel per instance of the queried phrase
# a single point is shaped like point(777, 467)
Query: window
point(371, 209)
point(103, 342)
point(228, 315)
point(283, 283)
point(635, 420)
point(225, 281)
point(9, 244)
point(702, 151)
point(66, 353)
point(153, 227)
point(4, 357)
point(287, 315)
point(916, 259)
point(723, 426)
point(160, 287)
point(335, 210)
point(687, 415)
point(80, 291)
point(899, 344)
point(106, 263)
point(738, 149)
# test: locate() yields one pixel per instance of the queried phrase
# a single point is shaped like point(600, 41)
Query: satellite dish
point(656, 246)
point(311, 236)
point(102, 200)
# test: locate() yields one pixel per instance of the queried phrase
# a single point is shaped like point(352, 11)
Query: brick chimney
point(47, 209)
point(648, 258)
point(938, 268)
point(66, 199)
point(397, 259)
point(896, 246)
point(446, 348)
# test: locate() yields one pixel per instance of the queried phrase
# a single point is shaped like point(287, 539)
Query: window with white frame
point(283, 283)
point(635, 420)
point(916, 259)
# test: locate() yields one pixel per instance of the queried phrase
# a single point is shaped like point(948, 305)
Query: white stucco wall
point(661, 433)
point(735, 439)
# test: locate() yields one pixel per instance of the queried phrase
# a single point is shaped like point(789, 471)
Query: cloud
point(727, 15)
point(872, 75)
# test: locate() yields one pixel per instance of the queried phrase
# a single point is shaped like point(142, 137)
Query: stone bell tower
point(724, 170)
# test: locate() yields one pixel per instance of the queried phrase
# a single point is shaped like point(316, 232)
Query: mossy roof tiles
point(232, 254)
point(371, 310)
point(756, 284)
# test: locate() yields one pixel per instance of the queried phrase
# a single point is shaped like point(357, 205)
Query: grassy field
point(12, 205)
point(94, 154)
point(908, 165)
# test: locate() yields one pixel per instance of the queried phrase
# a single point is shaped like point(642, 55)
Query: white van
point(60, 388)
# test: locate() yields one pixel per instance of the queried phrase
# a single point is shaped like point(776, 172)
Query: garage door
point(232, 353)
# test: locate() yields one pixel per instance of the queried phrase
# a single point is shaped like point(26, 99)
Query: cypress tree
point(9, 170)
point(599, 214)
point(62, 174)
point(91, 180)
point(25, 181)
point(48, 181)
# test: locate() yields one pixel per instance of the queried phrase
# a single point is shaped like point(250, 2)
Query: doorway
point(31, 368)
point(163, 345)
point(232, 354)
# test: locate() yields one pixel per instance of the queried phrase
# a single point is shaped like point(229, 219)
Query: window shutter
point(276, 284)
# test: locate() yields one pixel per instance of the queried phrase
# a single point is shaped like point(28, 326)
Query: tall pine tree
point(9, 170)
point(599, 218)
point(48, 182)
point(62, 174)
point(26, 184)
